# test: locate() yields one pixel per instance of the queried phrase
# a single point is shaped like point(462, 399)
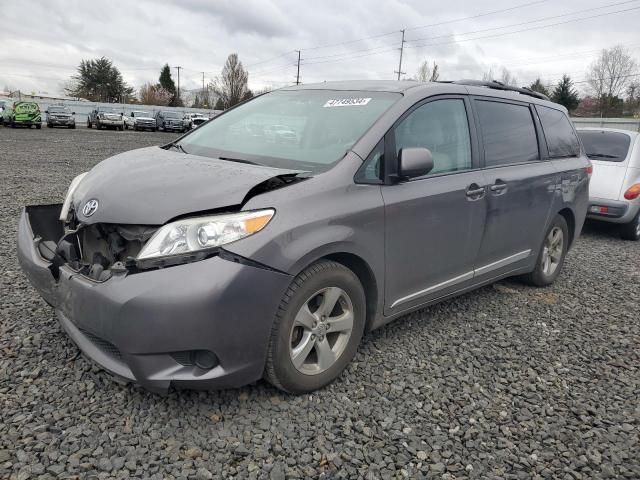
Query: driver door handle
point(475, 192)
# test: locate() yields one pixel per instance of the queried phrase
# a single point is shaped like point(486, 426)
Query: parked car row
point(28, 114)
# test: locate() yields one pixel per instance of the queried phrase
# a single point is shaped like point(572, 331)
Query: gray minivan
point(228, 255)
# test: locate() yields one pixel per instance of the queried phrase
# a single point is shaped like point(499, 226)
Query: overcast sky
point(42, 42)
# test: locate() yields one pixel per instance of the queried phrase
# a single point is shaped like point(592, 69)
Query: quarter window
point(561, 139)
point(442, 127)
point(508, 133)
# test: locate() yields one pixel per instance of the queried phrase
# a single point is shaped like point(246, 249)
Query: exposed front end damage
point(189, 325)
point(95, 251)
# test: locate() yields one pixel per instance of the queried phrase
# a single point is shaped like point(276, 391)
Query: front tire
point(317, 329)
point(631, 230)
point(552, 254)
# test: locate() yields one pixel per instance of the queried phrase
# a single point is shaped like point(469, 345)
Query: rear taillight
point(589, 169)
point(632, 192)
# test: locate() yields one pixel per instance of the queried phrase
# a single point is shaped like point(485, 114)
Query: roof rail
point(501, 86)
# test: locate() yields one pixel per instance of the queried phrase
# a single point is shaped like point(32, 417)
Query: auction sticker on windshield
point(346, 102)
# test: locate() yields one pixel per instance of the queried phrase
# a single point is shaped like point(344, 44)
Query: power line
point(524, 29)
point(523, 23)
point(446, 22)
point(477, 16)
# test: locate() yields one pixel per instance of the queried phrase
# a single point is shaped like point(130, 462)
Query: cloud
point(44, 41)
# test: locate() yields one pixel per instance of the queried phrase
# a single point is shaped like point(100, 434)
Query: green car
point(23, 113)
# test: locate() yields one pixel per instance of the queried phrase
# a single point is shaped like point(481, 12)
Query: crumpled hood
point(150, 186)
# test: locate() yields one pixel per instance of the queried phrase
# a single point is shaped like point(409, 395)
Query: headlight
point(196, 234)
point(67, 199)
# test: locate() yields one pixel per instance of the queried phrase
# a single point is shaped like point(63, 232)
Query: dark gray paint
point(420, 241)
point(151, 186)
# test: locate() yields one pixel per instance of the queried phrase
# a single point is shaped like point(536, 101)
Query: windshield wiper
point(600, 155)
point(239, 160)
point(178, 147)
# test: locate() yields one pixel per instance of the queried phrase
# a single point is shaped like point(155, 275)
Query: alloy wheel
point(552, 251)
point(321, 330)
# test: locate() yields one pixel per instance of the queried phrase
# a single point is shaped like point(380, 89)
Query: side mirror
point(73, 113)
point(414, 162)
point(46, 111)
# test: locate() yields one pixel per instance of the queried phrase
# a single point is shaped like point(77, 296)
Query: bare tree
point(154, 95)
point(426, 73)
point(505, 77)
point(609, 75)
point(231, 86)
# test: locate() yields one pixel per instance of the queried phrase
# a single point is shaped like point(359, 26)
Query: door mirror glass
point(414, 162)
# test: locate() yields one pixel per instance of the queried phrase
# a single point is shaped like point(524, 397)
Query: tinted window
point(602, 145)
point(561, 139)
point(508, 133)
point(442, 127)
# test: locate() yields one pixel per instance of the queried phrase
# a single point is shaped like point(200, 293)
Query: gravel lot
point(505, 382)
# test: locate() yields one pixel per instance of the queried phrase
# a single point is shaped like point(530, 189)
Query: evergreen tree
point(166, 82)
point(539, 87)
point(99, 81)
point(565, 94)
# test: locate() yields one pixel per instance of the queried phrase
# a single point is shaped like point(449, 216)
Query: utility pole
point(204, 102)
point(298, 74)
point(178, 68)
point(399, 71)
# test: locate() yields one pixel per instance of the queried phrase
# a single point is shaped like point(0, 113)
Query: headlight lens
point(196, 234)
point(67, 199)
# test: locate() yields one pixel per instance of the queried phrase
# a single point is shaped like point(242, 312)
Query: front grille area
point(107, 347)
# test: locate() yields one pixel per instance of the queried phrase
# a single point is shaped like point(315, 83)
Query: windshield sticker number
point(346, 102)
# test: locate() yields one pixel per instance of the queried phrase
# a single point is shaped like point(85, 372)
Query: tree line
point(611, 88)
point(99, 80)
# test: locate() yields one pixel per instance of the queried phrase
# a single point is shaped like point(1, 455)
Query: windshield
point(298, 129)
point(58, 110)
point(107, 110)
point(603, 145)
point(141, 114)
point(172, 114)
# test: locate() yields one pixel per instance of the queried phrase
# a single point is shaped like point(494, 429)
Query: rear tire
point(38, 126)
point(631, 230)
point(317, 329)
point(551, 255)
point(49, 125)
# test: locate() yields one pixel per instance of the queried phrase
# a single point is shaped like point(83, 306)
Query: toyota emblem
point(90, 208)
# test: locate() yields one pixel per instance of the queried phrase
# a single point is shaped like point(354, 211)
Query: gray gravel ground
point(505, 382)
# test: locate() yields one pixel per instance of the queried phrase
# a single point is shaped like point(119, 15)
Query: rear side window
point(442, 127)
point(508, 133)
point(561, 139)
point(603, 145)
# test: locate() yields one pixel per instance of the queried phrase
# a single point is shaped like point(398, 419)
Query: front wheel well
point(571, 224)
point(364, 273)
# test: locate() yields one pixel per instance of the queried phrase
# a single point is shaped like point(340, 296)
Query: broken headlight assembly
point(193, 239)
point(68, 197)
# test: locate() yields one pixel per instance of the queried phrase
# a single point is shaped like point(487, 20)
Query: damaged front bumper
point(150, 326)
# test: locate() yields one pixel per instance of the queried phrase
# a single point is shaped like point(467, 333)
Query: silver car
point(614, 194)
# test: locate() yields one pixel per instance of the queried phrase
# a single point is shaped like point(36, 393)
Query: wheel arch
point(365, 275)
point(360, 267)
point(570, 218)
